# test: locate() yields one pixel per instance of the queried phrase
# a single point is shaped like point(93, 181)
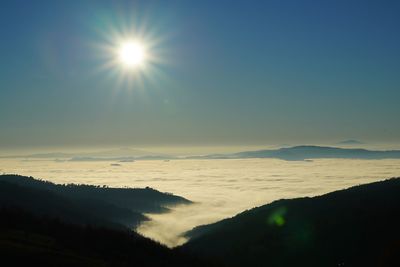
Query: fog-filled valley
point(219, 188)
point(357, 226)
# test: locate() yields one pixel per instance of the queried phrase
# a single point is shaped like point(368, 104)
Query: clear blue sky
point(233, 73)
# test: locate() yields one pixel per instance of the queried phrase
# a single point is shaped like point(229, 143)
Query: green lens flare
point(277, 217)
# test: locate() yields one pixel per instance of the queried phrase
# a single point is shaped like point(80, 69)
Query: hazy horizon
point(184, 150)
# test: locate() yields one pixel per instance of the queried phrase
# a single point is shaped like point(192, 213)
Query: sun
point(132, 54)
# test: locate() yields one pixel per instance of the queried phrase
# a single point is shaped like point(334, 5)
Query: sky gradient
point(230, 73)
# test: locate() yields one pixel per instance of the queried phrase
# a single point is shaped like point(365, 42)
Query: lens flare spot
point(277, 217)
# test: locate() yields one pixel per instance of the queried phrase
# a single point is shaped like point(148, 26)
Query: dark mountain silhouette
point(84, 203)
point(29, 240)
point(309, 152)
point(45, 224)
point(71, 210)
point(358, 226)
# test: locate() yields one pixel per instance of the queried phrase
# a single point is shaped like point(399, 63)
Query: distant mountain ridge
point(301, 152)
point(105, 155)
point(121, 159)
point(350, 142)
point(309, 152)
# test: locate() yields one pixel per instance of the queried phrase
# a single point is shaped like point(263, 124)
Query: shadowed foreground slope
point(28, 240)
point(359, 226)
point(43, 224)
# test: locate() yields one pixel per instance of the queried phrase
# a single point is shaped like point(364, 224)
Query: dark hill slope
point(84, 203)
point(359, 226)
point(135, 199)
point(28, 240)
point(43, 224)
point(78, 211)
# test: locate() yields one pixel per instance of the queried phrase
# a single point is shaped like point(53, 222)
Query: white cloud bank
point(220, 188)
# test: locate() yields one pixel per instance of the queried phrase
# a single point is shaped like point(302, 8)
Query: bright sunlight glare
point(132, 54)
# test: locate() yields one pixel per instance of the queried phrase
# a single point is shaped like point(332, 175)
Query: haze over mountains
point(309, 152)
point(302, 152)
point(350, 142)
point(124, 154)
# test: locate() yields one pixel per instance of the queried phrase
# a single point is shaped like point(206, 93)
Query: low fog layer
point(220, 188)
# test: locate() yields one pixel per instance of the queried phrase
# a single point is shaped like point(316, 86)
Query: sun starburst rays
point(131, 55)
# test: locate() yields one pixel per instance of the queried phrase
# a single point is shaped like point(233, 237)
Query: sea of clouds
point(220, 188)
